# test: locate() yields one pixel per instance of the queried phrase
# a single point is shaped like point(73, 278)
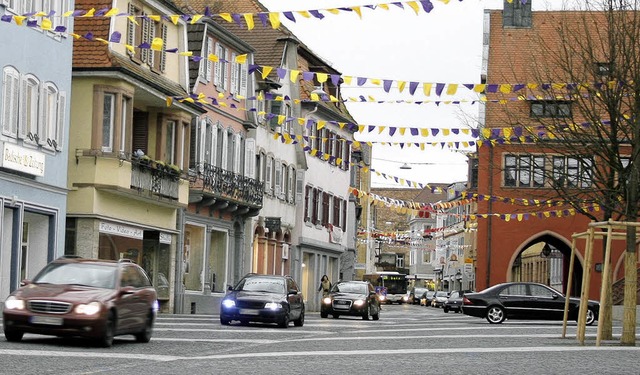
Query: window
point(10, 101)
point(268, 176)
point(276, 110)
point(113, 128)
point(239, 78)
point(524, 171)
point(291, 177)
point(278, 179)
point(134, 33)
point(550, 109)
point(29, 109)
point(220, 78)
point(308, 202)
point(206, 65)
point(170, 145)
point(572, 172)
point(49, 122)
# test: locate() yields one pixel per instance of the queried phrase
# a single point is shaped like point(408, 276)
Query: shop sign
point(272, 223)
point(165, 238)
point(360, 266)
point(121, 230)
point(22, 160)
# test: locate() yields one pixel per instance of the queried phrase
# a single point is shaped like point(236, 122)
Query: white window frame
point(10, 101)
point(171, 127)
point(268, 175)
point(107, 144)
point(49, 114)
point(220, 67)
point(29, 98)
point(250, 158)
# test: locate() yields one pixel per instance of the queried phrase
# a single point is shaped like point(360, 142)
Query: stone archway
point(544, 258)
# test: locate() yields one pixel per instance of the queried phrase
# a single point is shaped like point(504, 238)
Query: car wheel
point(365, 314)
point(376, 316)
point(591, 317)
point(144, 336)
point(445, 309)
point(324, 315)
point(300, 321)
point(495, 315)
point(109, 331)
point(13, 336)
point(336, 316)
point(284, 323)
point(224, 321)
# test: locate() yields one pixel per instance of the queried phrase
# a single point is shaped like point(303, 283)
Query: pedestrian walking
point(325, 285)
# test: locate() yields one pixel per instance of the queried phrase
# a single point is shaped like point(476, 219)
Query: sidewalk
point(618, 313)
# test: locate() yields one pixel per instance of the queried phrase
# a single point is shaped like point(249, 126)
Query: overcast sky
point(443, 46)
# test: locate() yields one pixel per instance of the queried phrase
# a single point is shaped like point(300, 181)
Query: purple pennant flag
point(316, 14)
point(426, 5)
point(197, 58)
point(307, 76)
point(546, 86)
point(372, 7)
point(237, 18)
point(233, 106)
point(398, 5)
point(253, 68)
point(335, 79)
point(371, 128)
point(346, 9)
point(386, 84)
point(518, 87)
point(492, 88)
point(115, 37)
point(414, 131)
point(412, 87)
point(79, 13)
point(60, 29)
point(434, 131)
point(32, 23)
point(439, 88)
point(495, 133)
point(396, 179)
point(455, 131)
point(392, 130)
point(469, 86)
point(171, 50)
point(6, 18)
point(457, 144)
point(145, 45)
point(101, 12)
point(289, 16)
point(281, 72)
point(88, 36)
point(263, 19)
point(518, 131)
point(417, 144)
point(362, 81)
point(306, 149)
point(207, 12)
point(362, 98)
point(417, 103)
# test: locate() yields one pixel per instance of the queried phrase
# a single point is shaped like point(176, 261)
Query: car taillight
point(465, 301)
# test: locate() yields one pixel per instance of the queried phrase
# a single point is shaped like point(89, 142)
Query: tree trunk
point(630, 297)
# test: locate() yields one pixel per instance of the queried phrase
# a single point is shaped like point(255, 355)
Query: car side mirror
point(230, 288)
point(126, 290)
point(25, 282)
point(554, 296)
point(293, 292)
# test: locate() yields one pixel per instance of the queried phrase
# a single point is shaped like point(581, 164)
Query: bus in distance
point(390, 285)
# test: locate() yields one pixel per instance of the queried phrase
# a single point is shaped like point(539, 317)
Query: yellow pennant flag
point(401, 85)
point(424, 132)
point(130, 48)
point(301, 120)
point(304, 13)
point(358, 11)
point(248, 17)
point(321, 124)
point(294, 75)
point(213, 57)
point(520, 217)
point(169, 101)
point(333, 11)
point(90, 13)
point(384, 6)
point(274, 18)
point(414, 6)
point(155, 17)
point(46, 24)
point(505, 88)
point(156, 44)
point(452, 88)
point(426, 88)
point(381, 129)
point(479, 87)
point(266, 70)
point(241, 59)
point(226, 17)
point(347, 79)
point(133, 20)
point(376, 81)
point(507, 132)
point(174, 19)
point(322, 77)
point(360, 128)
point(402, 131)
point(112, 12)
point(196, 18)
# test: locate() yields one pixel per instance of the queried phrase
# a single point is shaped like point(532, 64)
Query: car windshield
point(261, 284)
point(350, 288)
point(86, 274)
point(441, 294)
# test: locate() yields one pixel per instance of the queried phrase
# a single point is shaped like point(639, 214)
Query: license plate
point(249, 312)
point(47, 320)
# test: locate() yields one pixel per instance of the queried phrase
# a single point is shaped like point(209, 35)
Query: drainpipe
point(178, 294)
point(490, 219)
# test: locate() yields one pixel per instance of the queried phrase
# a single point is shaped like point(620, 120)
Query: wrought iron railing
point(152, 180)
point(232, 186)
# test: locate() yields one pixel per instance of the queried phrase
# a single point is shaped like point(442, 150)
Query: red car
point(72, 296)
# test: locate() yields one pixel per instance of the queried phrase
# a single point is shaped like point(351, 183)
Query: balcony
point(226, 190)
point(150, 180)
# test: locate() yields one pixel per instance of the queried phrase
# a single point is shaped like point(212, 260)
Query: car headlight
point(326, 300)
point(13, 303)
point(272, 305)
point(156, 306)
point(88, 309)
point(228, 303)
point(358, 302)
point(382, 298)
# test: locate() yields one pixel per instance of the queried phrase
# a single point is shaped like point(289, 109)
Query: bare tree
point(582, 115)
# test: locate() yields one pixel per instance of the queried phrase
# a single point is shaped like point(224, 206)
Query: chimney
point(516, 13)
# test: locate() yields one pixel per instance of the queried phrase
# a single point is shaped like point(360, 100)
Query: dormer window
point(550, 109)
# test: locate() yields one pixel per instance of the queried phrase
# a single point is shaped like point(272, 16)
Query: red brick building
point(518, 46)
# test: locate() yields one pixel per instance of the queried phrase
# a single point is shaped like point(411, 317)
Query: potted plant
point(174, 171)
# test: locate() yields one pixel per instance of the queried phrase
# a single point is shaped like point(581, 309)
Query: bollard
point(193, 307)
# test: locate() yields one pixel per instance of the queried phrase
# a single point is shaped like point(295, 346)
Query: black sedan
point(521, 300)
point(265, 299)
point(358, 298)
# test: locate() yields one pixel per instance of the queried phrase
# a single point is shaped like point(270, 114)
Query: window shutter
point(208, 63)
point(163, 53)
point(194, 150)
point(213, 147)
point(243, 80)
point(234, 74)
point(344, 215)
point(151, 33)
point(9, 101)
point(144, 52)
point(131, 30)
point(291, 180)
point(336, 211)
point(237, 155)
point(278, 178)
point(225, 65)
point(346, 156)
point(225, 150)
point(58, 135)
point(307, 198)
point(325, 209)
point(268, 175)
point(314, 208)
point(300, 186)
point(250, 158)
point(217, 79)
point(338, 154)
point(24, 108)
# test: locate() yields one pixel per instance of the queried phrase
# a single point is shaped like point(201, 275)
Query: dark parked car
point(454, 302)
point(415, 294)
point(357, 298)
point(264, 299)
point(521, 300)
point(72, 296)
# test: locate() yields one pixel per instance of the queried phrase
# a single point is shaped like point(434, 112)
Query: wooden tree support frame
point(614, 230)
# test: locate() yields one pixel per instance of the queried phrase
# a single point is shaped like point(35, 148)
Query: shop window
point(193, 257)
point(217, 261)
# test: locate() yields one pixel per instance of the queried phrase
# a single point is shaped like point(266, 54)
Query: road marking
point(244, 330)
